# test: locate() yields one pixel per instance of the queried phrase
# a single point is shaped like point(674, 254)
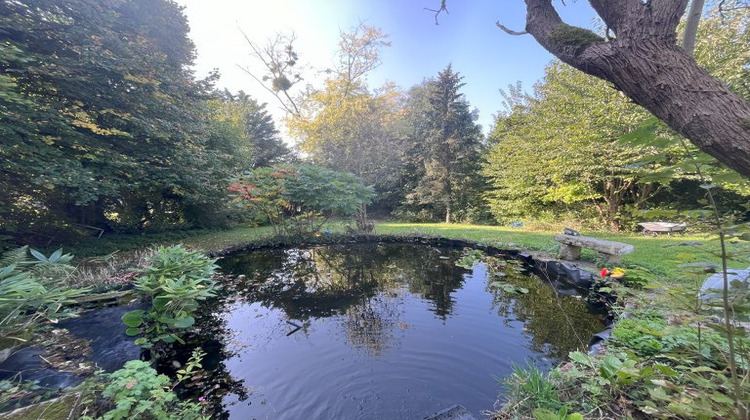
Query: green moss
point(564, 35)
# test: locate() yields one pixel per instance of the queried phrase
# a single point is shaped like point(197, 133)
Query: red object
point(605, 272)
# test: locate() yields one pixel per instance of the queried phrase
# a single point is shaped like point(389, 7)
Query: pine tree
point(446, 146)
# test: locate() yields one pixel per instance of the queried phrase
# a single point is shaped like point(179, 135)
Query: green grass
point(661, 255)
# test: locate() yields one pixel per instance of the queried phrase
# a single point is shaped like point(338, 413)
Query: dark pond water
point(377, 331)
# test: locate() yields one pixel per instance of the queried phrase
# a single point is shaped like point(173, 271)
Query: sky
point(466, 37)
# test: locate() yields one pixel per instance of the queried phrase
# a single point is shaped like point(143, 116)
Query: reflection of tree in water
point(557, 324)
point(350, 280)
point(370, 326)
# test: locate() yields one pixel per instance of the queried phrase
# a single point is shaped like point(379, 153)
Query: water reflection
point(326, 281)
point(393, 330)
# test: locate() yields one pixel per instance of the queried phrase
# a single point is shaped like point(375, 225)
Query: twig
point(509, 31)
point(438, 11)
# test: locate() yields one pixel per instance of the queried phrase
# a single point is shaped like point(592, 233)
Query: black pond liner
point(109, 350)
point(564, 277)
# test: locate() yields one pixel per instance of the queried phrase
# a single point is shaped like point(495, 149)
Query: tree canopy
point(103, 125)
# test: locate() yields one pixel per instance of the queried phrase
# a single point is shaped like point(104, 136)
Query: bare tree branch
point(438, 11)
point(509, 31)
point(279, 58)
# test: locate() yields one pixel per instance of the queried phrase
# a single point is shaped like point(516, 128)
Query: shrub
point(176, 281)
point(644, 336)
point(298, 200)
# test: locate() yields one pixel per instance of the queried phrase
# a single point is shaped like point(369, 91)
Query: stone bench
point(571, 247)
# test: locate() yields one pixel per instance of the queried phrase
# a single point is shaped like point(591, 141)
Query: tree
point(99, 116)
point(559, 149)
point(445, 145)
point(358, 134)
point(254, 140)
point(640, 57)
point(299, 199)
point(560, 146)
point(346, 127)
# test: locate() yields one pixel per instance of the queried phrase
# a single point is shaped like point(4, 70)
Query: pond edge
point(549, 270)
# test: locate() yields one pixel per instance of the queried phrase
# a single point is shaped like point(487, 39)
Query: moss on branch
point(567, 36)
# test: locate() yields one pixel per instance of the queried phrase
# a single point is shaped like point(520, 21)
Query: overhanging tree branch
point(645, 62)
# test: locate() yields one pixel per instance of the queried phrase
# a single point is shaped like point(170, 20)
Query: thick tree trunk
point(646, 64)
point(665, 80)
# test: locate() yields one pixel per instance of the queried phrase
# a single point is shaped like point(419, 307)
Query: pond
point(378, 331)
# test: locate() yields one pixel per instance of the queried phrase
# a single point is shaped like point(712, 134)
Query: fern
point(18, 257)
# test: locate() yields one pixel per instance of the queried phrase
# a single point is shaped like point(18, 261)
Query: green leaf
point(132, 332)
point(184, 322)
point(56, 255)
point(544, 414)
point(580, 358)
point(38, 255)
point(160, 302)
point(133, 318)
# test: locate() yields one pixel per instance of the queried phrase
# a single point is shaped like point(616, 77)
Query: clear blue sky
point(467, 37)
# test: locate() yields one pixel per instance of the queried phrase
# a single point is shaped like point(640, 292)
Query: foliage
point(138, 392)
point(176, 281)
point(299, 199)
point(102, 123)
point(444, 148)
point(32, 290)
point(561, 414)
point(346, 127)
point(244, 132)
point(470, 258)
point(558, 148)
point(644, 336)
point(723, 45)
point(575, 143)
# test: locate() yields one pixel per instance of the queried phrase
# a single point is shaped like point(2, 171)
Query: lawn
point(663, 255)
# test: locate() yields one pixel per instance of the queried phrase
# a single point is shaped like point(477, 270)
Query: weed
point(531, 389)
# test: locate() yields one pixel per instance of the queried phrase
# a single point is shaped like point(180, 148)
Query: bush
point(176, 281)
point(298, 200)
